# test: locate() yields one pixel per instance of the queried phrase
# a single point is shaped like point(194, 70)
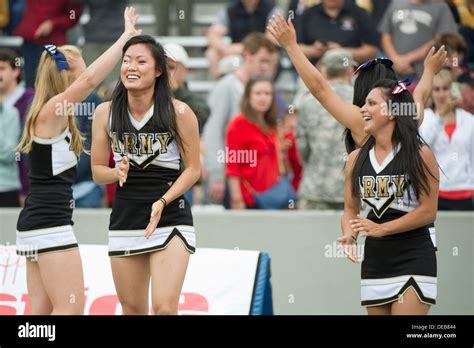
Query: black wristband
point(163, 201)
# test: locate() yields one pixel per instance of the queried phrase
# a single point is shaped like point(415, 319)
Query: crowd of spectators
point(251, 137)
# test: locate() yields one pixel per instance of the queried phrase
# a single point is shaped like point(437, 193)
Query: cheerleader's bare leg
point(132, 282)
point(39, 301)
point(168, 269)
point(62, 276)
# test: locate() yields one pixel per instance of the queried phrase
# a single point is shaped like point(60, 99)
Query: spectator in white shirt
point(449, 131)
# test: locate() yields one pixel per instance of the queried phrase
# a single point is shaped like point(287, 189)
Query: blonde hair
point(49, 83)
point(445, 76)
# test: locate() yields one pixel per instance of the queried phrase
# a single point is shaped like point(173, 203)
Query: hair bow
point(402, 85)
point(363, 67)
point(59, 57)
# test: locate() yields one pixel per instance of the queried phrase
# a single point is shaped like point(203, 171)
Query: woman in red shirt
point(251, 153)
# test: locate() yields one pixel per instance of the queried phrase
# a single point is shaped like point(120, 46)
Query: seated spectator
point(14, 94)
point(9, 176)
point(337, 24)
point(237, 21)
point(319, 138)
point(252, 152)
point(178, 70)
point(466, 81)
point(408, 31)
point(449, 131)
point(224, 100)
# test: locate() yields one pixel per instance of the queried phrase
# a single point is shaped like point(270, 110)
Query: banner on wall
point(218, 281)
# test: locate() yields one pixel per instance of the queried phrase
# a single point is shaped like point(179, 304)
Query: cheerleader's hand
point(156, 210)
point(130, 18)
point(282, 31)
point(435, 61)
point(122, 170)
point(349, 245)
point(370, 228)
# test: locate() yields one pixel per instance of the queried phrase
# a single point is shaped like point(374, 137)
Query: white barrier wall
point(309, 273)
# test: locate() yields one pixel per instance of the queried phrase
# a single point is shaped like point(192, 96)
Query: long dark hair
point(363, 84)
point(164, 116)
point(409, 163)
point(270, 117)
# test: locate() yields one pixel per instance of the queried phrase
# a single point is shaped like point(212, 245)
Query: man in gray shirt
point(224, 100)
point(408, 29)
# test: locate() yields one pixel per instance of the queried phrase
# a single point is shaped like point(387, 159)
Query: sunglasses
point(385, 61)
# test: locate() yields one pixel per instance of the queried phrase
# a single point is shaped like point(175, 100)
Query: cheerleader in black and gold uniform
point(392, 181)
point(155, 142)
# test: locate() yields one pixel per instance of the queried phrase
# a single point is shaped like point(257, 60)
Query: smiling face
point(375, 112)
point(138, 70)
point(261, 96)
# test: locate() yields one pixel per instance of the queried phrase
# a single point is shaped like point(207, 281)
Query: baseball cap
point(177, 53)
point(337, 60)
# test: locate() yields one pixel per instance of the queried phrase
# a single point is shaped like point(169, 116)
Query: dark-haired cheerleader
point(392, 181)
point(155, 141)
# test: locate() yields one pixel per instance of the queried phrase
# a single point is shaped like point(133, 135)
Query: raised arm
point(93, 75)
point(433, 64)
point(344, 112)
